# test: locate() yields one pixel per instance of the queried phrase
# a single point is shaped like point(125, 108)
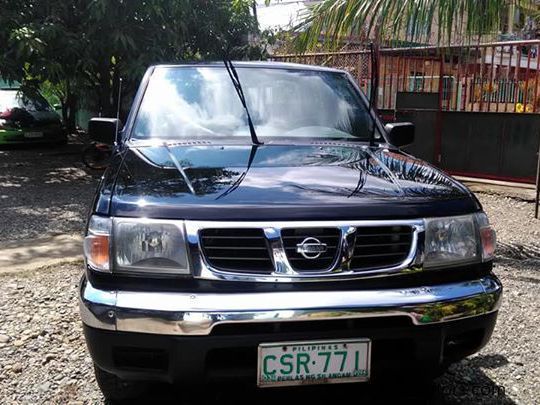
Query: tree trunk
point(72, 113)
point(255, 16)
point(65, 112)
point(69, 109)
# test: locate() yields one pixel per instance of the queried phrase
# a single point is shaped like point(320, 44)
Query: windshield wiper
point(238, 87)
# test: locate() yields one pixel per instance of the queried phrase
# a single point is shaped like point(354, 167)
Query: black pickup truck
point(258, 222)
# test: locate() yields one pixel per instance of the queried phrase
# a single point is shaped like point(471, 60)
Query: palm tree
point(417, 19)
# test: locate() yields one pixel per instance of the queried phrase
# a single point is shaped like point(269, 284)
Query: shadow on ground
point(465, 384)
point(44, 190)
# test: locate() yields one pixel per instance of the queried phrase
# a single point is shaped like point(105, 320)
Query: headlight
point(149, 246)
point(136, 246)
point(453, 241)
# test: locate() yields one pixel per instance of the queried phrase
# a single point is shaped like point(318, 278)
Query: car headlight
point(149, 246)
point(452, 241)
point(144, 246)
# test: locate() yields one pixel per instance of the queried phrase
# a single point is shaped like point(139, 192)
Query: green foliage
point(331, 20)
point(79, 49)
point(529, 8)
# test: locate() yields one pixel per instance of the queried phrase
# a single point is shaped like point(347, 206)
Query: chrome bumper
point(197, 314)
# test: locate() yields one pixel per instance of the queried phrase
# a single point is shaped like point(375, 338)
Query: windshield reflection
point(200, 102)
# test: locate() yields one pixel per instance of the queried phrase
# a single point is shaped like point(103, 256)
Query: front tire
point(116, 389)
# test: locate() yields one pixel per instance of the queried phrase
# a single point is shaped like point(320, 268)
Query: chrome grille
point(267, 251)
point(381, 246)
point(294, 237)
point(236, 250)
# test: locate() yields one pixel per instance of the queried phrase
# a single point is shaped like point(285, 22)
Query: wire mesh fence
point(494, 77)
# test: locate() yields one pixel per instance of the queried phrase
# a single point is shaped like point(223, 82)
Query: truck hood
point(282, 182)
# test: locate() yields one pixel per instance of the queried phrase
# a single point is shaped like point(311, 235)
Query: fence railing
point(494, 77)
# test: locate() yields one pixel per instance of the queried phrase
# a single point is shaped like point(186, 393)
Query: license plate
point(317, 362)
point(33, 134)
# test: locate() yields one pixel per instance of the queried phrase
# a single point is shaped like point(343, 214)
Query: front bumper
point(210, 337)
point(191, 314)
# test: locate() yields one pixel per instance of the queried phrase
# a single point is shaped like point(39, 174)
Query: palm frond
point(330, 21)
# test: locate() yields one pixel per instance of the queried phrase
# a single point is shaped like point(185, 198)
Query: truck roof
point(254, 64)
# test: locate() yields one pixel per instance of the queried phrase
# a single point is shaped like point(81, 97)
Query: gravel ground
point(43, 357)
point(43, 191)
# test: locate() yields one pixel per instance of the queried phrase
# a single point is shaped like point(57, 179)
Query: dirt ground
point(43, 191)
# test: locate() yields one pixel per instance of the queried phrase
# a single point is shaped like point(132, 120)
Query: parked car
point(258, 221)
point(26, 117)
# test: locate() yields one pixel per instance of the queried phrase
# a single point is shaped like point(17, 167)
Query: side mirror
point(400, 133)
point(104, 130)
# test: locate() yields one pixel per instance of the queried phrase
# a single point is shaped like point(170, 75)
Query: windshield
point(10, 99)
point(201, 102)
